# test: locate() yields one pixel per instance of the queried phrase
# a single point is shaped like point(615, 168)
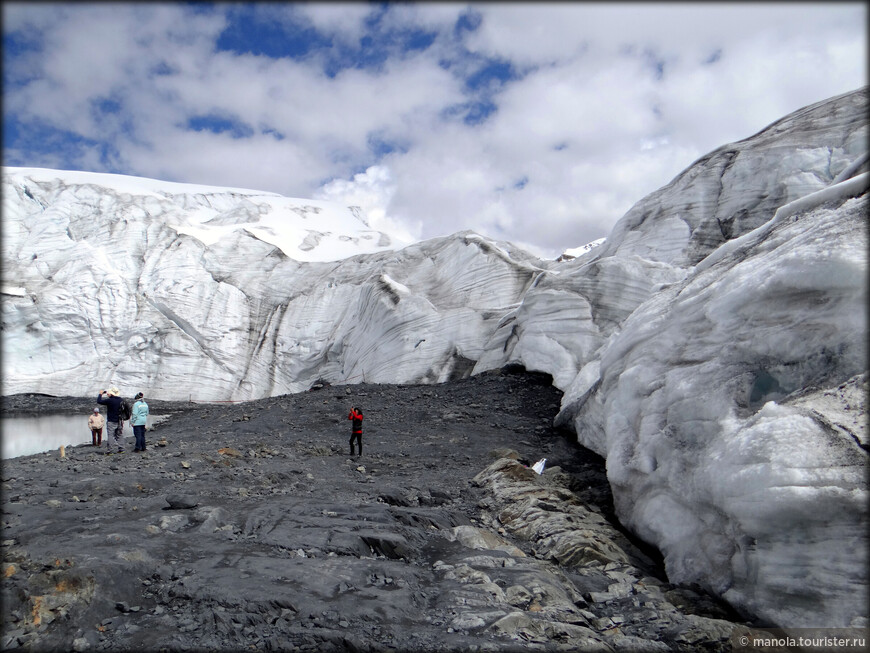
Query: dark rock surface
point(253, 528)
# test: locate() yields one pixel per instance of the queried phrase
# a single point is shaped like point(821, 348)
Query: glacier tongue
point(684, 342)
point(712, 348)
point(696, 422)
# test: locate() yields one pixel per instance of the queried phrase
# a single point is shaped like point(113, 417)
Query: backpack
point(125, 411)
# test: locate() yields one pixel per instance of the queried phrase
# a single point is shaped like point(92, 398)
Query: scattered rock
point(431, 545)
point(180, 501)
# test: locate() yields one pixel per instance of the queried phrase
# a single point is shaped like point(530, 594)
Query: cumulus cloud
point(536, 123)
point(372, 191)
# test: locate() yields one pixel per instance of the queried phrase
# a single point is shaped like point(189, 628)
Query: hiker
point(356, 428)
point(95, 423)
point(114, 421)
point(138, 420)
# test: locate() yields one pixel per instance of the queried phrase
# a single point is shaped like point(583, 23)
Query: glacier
point(177, 290)
point(694, 348)
point(712, 348)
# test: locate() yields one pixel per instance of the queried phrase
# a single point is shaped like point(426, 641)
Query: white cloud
point(342, 20)
point(372, 191)
point(591, 127)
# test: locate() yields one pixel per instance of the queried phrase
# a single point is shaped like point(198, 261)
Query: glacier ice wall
point(687, 345)
point(176, 294)
point(706, 453)
point(713, 348)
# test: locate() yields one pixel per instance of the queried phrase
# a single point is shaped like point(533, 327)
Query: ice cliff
point(218, 294)
point(712, 348)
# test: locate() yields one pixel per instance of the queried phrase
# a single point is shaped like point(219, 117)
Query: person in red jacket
point(356, 428)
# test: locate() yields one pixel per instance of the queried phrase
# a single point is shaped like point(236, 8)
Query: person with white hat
point(114, 421)
point(95, 423)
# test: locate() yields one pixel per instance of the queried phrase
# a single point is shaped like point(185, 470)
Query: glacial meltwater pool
point(23, 436)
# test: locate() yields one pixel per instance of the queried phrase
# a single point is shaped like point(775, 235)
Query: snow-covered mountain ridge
point(305, 230)
point(713, 348)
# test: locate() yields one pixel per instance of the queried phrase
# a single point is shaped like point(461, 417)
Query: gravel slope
point(253, 527)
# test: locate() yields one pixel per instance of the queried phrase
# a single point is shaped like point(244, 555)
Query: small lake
point(23, 436)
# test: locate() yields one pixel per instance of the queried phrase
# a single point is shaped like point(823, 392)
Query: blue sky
point(535, 123)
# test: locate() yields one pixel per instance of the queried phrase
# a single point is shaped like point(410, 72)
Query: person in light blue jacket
point(138, 420)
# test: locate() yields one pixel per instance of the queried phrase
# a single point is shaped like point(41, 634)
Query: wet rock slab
point(253, 528)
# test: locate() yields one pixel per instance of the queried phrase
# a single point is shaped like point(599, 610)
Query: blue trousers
point(139, 434)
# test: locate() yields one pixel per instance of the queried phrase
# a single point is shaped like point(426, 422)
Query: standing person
point(138, 420)
point(356, 428)
point(114, 423)
point(95, 423)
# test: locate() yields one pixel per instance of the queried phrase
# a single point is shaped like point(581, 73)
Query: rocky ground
point(253, 528)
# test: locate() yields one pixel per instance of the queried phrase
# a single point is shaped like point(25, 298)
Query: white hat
point(113, 392)
point(96, 410)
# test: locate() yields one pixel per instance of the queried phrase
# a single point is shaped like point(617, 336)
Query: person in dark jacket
point(114, 423)
point(356, 418)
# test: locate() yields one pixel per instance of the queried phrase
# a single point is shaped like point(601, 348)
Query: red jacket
point(357, 418)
